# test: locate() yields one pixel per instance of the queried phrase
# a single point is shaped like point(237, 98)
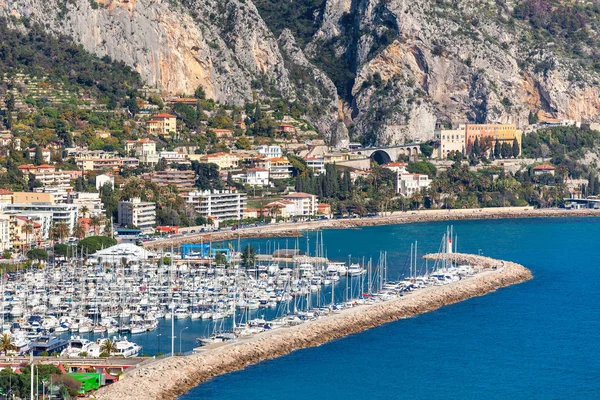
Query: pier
point(170, 377)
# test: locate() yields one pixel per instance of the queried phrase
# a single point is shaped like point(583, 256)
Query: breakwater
point(168, 378)
point(295, 229)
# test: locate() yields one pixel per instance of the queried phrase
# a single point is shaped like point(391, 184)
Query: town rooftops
point(544, 167)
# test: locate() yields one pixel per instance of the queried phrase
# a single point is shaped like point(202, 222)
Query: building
point(46, 154)
point(397, 167)
point(256, 177)
point(451, 140)
point(270, 151)
point(462, 139)
point(543, 169)
point(173, 156)
point(282, 209)
point(305, 203)
point(6, 196)
point(279, 168)
point(113, 164)
point(137, 213)
point(91, 201)
point(223, 160)
point(409, 184)
point(144, 150)
point(316, 164)
point(162, 124)
point(105, 179)
point(32, 197)
point(183, 180)
point(223, 204)
point(492, 133)
point(5, 243)
point(58, 213)
point(287, 128)
point(324, 209)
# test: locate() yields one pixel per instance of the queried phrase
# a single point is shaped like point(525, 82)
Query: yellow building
point(162, 124)
point(496, 132)
point(223, 160)
point(31, 197)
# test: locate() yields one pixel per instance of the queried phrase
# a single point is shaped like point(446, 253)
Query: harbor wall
point(168, 378)
point(398, 217)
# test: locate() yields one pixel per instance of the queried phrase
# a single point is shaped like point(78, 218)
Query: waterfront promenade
point(168, 378)
point(290, 229)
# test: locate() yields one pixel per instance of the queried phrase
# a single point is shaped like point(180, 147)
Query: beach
point(289, 229)
point(170, 377)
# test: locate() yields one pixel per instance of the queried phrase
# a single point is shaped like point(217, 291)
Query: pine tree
point(476, 148)
point(506, 150)
point(516, 150)
point(497, 150)
point(39, 156)
point(257, 112)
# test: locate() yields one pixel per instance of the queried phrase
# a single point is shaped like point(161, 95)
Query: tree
point(27, 230)
point(107, 348)
point(497, 150)
point(85, 211)
point(61, 250)
point(243, 143)
point(426, 149)
point(38, 159)
point(257, 112)
point(60, 231)
point(248, 256)
point(199, 93)
point(516, 150)
point(37, 254)
point(6, 344)
point(92, 244)
point(132, 105)
point(95, 222)
point(476, 148)
point(161, 165)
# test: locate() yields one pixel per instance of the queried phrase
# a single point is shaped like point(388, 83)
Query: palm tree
point(28, 230)
point(79, 231)
point(6, 345)
point(95, 222)
point(61, 230)
point(85, 211)
point(107, 347)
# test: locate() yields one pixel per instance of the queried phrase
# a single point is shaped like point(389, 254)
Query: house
point(397, 167)
point(223, 160)
point(305, 203)
point(279, 168)
point(105, 179)
point(409, 184)
point(256, 177)
point(282, 209)
point(270, 151)
point(46, 154)
point(144, 150)
point(543, 169)
point(324, 209)
point(162, 124)
point(287, 128)
point(317, 164)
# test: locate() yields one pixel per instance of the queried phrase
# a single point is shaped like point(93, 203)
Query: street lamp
point(180, 332)
point(158, 340)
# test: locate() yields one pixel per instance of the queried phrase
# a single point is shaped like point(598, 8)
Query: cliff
point(386, 69)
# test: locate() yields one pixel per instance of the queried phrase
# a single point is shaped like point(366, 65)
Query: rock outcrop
point(399, 66)
point(171, 377)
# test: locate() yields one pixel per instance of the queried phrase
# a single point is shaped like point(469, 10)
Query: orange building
point(495, 132)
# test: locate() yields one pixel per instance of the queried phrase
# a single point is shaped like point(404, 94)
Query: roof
point(6, 191)
point(163, 115)
point(395, 164)
point(544, 167)
point(256, 170)
point(299, 195)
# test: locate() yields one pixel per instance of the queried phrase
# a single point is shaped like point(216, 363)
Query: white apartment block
point(137, 213)
point(304, 203)
point(66, 213)
point(91, 201)
point(270, 151)
point(316, 164)
point(223, 204)
point(173, 156)
point(256, 177)
point(4, 232)
point(105, 179)
point(409, 184)
point(144, 150)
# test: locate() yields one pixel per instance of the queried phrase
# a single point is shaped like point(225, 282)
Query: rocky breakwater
point(168, 378)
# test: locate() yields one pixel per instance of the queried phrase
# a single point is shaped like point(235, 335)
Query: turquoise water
point(536, 340)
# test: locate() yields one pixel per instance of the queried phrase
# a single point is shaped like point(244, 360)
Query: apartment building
point(137, 213)
point(220, 204)
point(409, 184)
point(91, 201)
point(270, 151)
point(316, 164)
point(183, 180)
point(57, 213)
point(5, 233)
point(144, 150)
point(256, 177)
point(305, 204)
point(223, 160)
point(162, 124)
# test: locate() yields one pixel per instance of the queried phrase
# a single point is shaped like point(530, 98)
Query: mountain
point(381, 71)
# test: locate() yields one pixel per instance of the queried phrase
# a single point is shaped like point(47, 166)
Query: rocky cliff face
point(388, 69)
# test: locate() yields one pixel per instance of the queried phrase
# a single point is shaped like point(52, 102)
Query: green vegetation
point(92, 244)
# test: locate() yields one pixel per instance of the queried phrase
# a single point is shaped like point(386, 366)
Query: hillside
point(389, 69)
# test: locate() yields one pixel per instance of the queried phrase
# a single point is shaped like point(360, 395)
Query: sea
point(536, 340)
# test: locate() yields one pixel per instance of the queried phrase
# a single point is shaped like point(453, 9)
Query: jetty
point(171, 377)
